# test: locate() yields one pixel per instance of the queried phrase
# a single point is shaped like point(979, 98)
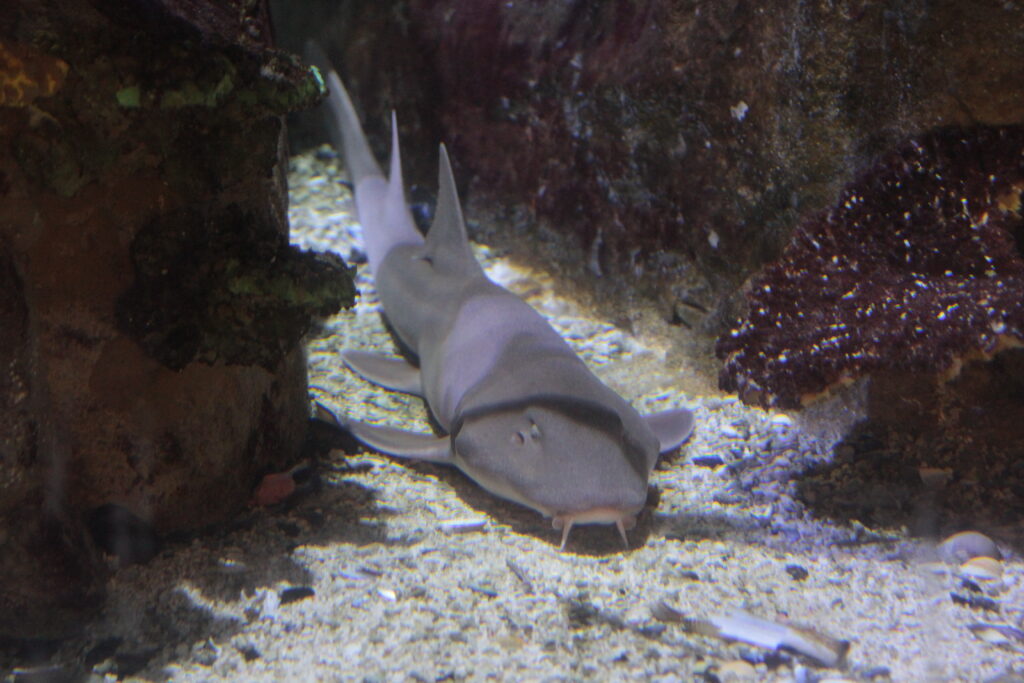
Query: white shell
point(963, 546)
point(982, 569)
point(736, 671)
point(783, 431)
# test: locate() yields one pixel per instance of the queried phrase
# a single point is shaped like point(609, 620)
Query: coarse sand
point(391, 571)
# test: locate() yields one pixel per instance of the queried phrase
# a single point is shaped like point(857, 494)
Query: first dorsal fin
point(447, 243)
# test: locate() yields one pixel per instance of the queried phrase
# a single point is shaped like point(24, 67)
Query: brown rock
point(676, 144)
point(131, 113)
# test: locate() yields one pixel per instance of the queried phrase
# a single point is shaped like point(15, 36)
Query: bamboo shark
point(522, 415)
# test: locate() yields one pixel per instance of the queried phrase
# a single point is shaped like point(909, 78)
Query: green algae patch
point(284, 85)
point(219, 285)
point(193, 94)
point(129, 98)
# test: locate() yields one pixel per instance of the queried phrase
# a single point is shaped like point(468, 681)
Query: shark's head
point(575, 463)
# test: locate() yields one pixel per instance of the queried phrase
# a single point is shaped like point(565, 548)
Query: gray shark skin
point(523, 416)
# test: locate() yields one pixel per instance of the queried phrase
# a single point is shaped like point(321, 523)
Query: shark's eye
point(518, 438)
point(534, 430)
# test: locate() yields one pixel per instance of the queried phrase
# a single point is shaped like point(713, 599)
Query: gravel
point(391, 571)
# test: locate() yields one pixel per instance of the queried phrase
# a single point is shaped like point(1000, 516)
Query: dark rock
point(125, 119)
point(204, 274)
point(796, 572)
point(295, 594)
point(915, 270)
point(123, 534)
point(131, 662)
point(102, 650)
point(975, 601)
point(249, 652)
point(712, 460)
point(683, 140)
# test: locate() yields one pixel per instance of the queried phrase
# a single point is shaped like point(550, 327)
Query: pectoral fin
point(391, 373)
point(672, 427)
point(401, 443)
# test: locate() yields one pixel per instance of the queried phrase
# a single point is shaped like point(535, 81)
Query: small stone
point(482, 589)
point(269, 605)
point(274, 488)
point(730, 432)
point(982, 569)
point(797, 572)
point(997, 634)
point(975, 601)
point(232, 563)
point(735, 671)
point(463, 525)
point(249, 652)
point(295, 594)
point(120, 532)
point(783, 432)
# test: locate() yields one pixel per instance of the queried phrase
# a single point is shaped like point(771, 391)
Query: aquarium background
point(802, 222)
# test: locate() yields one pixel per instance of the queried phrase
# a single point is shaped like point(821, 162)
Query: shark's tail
point(380, 203)
point(343, 123)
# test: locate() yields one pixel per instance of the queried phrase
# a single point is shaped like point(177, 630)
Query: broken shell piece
point(463, 525)
point(784, 432)
point(982, 569)
point(269, 605)
point(747, 628)
point(520, 574)
point(232, 564)
point(967, 544)
point(736, 671)
point(936, 568)
point(998, 634)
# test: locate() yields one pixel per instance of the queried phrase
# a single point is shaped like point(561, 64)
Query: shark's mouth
point(622, 519)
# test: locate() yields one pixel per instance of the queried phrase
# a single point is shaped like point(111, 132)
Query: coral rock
point(27, 73)
point(917, 268)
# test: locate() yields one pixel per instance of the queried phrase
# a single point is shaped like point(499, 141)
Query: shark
point(519, 412)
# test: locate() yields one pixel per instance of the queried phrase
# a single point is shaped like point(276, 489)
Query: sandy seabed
point(391, 571)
